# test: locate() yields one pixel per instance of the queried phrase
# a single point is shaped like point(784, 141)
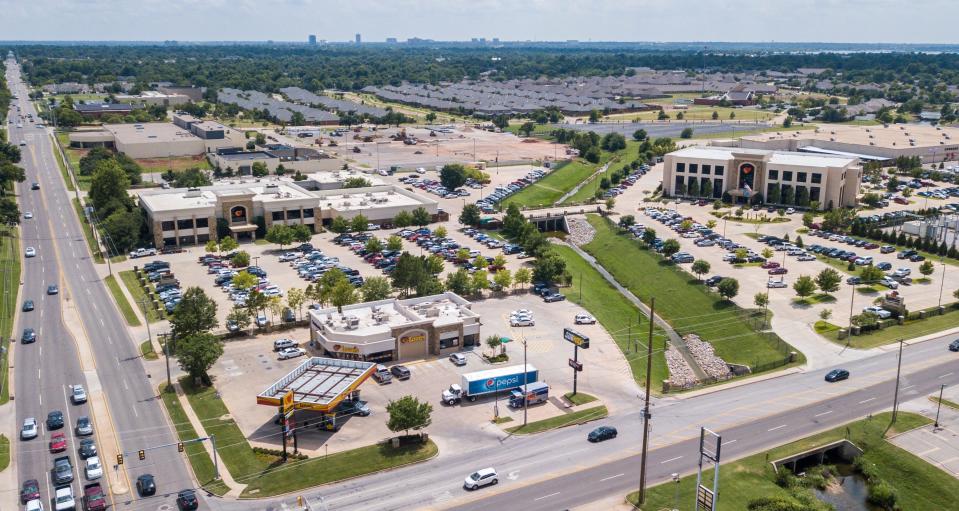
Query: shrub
point(882, 494)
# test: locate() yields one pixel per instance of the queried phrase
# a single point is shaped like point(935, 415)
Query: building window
point(293, 214)
point(202, 223)
point(717, 188)
point(718, 170)
point(307, 212)
point(801, 177)
point(816, 178)
point(814, 192)
point(202, 238)
point(769, 190)
point(167, 225)
point(277, 216)
point(773, 174)
point(706, 169)
point(679, 188)
point(680, 167)
point(787, 175)
point(184, 224)
point(449, 343)
point(693, 168)
point(169, 242)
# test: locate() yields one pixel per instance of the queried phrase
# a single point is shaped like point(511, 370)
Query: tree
point(295, 299)
point(9, 174)
point(459, 282)
point(239, 316)
point(627, 221)
point(649, 237)
point(108, 185)
point(480, 262)
point(244, 280)
point(195, 313)
point(741, 254)
point(228, 244)
point(421, 217)
point(373, 245)
point(197, 353)
point(339, 225)
point(241, 259)
point(376, 288)
point(279, 234)
point(825, 314)
point(639, 135)
point(122, 228)
point(255, 302)
point(549, 267)
point(430, 117)
point(871, 274)
point(767, 253)
point(762, 300)
point(828, 280)
point(479, 281)
point(403, 219)
point(926, 268)
point(700, 267)
point(670, 247)
point(440, 232)
point(408, 413)
point(211, 246)
point(715, 115)
point(503, 279)
point(357, 182)
point(301, 233)
point(452, 176)
point(728, 288)
point(359, 223)
point(527, 128)
point(394, 242)
point(470, 215)
point(804, 286)
point(686, 133)
point(523, 276)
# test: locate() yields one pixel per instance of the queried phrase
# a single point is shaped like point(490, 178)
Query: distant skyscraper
point(358, 39)
point(390, 40)
point(312, 39)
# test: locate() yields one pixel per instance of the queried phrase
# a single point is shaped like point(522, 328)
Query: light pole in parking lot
point(943, 282)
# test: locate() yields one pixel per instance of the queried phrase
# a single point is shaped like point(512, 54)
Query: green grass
point(683, 301)
point(918, 484)
point(74, 155)
point(199, 458)
point(128, 314)
point(87, 232)
point(177, 163)
point(617, 315)
point(9, 282)
point(64, 173)
point(4, 452)
point(588, 190)
point(548, 190)
point(951, 404)
point(569, 419)
point(825, 328)
point(129, 279)
point(814, 299)
point(146, 350)
point(503, 420)
point(910, 329)
point(579, 398)
point(698, 113)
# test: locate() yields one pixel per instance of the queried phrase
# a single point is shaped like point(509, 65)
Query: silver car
point(29, 429)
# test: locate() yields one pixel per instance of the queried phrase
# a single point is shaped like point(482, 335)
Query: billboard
point(576, 338)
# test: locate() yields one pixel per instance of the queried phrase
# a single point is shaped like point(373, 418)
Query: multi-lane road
point(45, 370)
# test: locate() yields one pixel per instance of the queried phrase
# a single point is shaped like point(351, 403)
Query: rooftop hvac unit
point(274, 185)
point(287, 195)
point(390, 192)
point(364, 203)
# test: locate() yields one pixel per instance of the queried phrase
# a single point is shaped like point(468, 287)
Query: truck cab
point(93, 498)
point(454, 395)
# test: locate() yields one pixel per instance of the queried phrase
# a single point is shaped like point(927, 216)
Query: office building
point(358, 40)
point(312, 40)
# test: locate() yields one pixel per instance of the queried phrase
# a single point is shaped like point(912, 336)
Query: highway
point(63, 259)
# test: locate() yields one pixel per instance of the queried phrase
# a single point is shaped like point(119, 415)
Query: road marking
point(611, 477)
point(947, 374)
point(731, 442)
point(670, 459)
point(823, 413)
point(867, 400)
point(909, 387)
point(777, 427)
point(546, 496)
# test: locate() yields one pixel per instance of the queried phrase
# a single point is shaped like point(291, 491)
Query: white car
point(806, 257)
point(790, 211)
point(78, 394)
point(776, 284)
point(34, 505)
point(480, 478)
point(287, 353)
point(585, 319)
point(64, 498)
point(458, 359)
point(878, 311)
point(289, 256)
point(29, 429)
point(28, 215)
point(30, 252)
point(522, 321)
point(521, 312)
point(94, 469)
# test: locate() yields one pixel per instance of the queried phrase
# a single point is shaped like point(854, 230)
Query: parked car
point(458, 359)
point(837, 375)
point(714, 280)
point(778, 271)
point(58, 442)
point(776, 284)
point(88, 448)
point(63, 499)
point(287, 353)
point(602, 433)
point(29, 429)
point(584, 319)
point(554, 297)
point(401, 372)
point(30, 490)
point(282, 344)
point(480, 478)
point(94, 469)
point(382, 375)
point(878, 311)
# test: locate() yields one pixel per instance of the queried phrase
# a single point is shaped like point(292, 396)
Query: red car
point(778, 271)
point(58, 442)
point(768, 265)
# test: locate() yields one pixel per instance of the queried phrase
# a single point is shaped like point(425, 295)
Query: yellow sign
point(412, 338)
point(345, 349)
point(287, 402)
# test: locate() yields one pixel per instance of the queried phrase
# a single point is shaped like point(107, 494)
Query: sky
point(853, 21)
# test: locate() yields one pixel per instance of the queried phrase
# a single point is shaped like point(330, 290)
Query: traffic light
point(119, 459)
point(142, 454)
point(179, 447)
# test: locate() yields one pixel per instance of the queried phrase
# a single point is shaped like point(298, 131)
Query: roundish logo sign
point(490, 382)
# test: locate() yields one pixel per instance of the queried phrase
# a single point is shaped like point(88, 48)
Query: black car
point(714, 280)
point(55, 419)
point(401, 372)
point(35, 186)
point(52, 289)
point(954, 345)
point(88, 448)
point(554, 297)
point(602, 433)
point(146, 486)
point(837, 375)
point(29, 336)
point(186, 500)
point(28, 305)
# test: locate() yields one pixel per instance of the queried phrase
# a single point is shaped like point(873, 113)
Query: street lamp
point(938, 406)
point(675, 478)
point(943, 282)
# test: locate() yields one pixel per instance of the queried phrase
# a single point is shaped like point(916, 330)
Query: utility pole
point(526, 381)
point(895, 399)
point(938, 406)
point(646, 415)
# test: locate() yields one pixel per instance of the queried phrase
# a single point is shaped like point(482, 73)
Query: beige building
point(154, 140)
point(751, 175)
point(154, 98)
point(392, 329)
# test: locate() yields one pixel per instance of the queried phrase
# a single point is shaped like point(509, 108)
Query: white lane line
point(546, 496)
point(38, 375)
point(777, 427)
point(823, 413)
point(611, 477)
point(909, 387)
point(867, 400)
point(947, 374)
point(670, 459)
point(127, 387)
point(730, 442)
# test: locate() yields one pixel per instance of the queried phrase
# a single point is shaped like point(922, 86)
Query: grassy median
point(568, 419)
point(199, 458)
point(129, 278)
point(918, 484)
point(122, 303)
point(9, 283)
point(683, 301)
point(624, 322)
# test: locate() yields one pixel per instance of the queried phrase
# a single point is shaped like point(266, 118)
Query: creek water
point(847, 492)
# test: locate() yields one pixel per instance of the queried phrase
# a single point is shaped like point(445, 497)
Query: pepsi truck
point(480, 383)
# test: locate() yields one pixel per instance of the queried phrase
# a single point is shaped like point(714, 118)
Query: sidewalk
point(235, 488)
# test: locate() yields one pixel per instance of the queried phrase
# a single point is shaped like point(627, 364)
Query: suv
point(64, 498)
point(401, 372)
point(282, 344)
point(480, 478)
point(78, 395)
point(382, 375)
point(458, 359)
point(62, 470)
